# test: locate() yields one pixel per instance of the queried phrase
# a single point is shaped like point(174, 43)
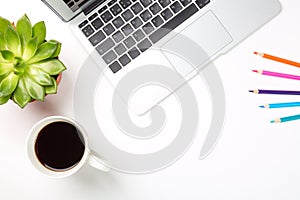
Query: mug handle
point(97, 163)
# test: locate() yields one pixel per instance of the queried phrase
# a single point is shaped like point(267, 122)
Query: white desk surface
point(253, 159)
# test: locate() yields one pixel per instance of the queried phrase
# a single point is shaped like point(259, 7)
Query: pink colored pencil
point(276, 74)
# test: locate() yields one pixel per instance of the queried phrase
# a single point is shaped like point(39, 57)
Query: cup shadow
point(101, 183)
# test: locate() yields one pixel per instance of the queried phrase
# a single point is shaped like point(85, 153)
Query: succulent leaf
point(25, 30)
point(8, 85)
point(39, 76)
point(45, 51)
point(3, 100)
point(30, 48)
point(58, 49)
point(21, 96)
point(35, 90)
point(7, 56)
point(52, 89)
point(12, 39)
point(39, 31)
point(4, 23)
point(51, 67)
point(2, 42)
point(6, 68)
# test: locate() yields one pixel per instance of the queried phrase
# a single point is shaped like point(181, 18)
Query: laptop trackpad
point(196, 44)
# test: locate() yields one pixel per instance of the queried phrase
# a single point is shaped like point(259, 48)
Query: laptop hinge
point(92, 6)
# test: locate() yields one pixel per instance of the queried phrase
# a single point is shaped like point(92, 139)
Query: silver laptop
point(119, 33)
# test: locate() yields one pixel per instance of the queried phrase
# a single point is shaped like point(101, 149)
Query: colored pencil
point(277, 59)
point(281, 105)
point(281, 92)
point(275, 74)
point(286, 119)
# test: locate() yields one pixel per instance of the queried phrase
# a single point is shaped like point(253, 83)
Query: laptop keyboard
point(123, 29)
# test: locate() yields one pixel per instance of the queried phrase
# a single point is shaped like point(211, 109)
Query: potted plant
point(29, 65)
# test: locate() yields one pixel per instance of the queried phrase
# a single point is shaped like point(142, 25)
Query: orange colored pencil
point(277, 59)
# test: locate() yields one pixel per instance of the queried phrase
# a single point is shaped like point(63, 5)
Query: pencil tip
point(255, 71)
point(262, 106)
point(255, 53)
point(272, 122)
point(251, 90)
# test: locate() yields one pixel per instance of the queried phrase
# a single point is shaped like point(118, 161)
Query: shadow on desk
point(104, 185)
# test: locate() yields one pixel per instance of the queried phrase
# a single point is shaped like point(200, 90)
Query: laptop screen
point(75, 4)
point(68, 9)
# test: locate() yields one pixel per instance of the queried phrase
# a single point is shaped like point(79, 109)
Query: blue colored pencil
point(281, 105)
point(286, 119)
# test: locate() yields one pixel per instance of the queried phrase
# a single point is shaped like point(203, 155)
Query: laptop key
point(102, 9)
point(92, 16)
point(166, 14)
point(202, 3)
point(109, 57)
point(164, 3)
point(108, 29)
point(176, 7)
point(111, 2)
point(155, 8)
point(146, 15)
point(120, 49)
point(106, 16)
point(134, 53)
point(125, 3)
point(97, 23)
point(157, 21)
point(136, 22)
point(71, 4)
point(116, 9)
point(124, 60)
point(144, 45)
point(97, 38)
point(129, 42)
point(82, 24)
point(173, 23)
point(127, 15)
point(127, 29)
point(136, 8)
point(105, 46)
point(118, 22)
point(138, 35)
point(185, 2)
point(148, 28)
point(115, 67)
point(118, 36)
point(88, 30)
point(146, 2)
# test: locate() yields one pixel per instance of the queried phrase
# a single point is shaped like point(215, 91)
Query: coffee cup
point(58, 147)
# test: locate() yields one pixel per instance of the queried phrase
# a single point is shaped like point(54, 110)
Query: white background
point(253, 160)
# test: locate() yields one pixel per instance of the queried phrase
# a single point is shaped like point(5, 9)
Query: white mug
point(87, 157)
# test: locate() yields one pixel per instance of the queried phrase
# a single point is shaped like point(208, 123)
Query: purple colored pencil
point(279, 92)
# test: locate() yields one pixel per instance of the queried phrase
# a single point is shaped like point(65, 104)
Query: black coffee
point(59, 146)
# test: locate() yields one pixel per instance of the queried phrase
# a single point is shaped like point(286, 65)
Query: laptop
point(119, 34)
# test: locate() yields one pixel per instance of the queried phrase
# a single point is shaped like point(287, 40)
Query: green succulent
point(29, 65)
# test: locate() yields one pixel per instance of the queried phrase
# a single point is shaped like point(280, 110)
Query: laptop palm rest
point(187, 52)
point(206, 33)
